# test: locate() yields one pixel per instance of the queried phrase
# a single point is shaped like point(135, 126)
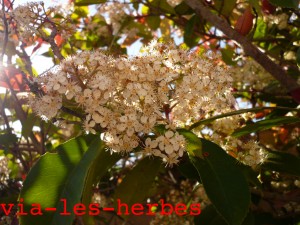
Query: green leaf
point(264, 125)
point(88, 2)
point(58, 176)
point(255, 4)
point(187, 169)
point(225, 7)
point(162, 5)
point(261, 29)
point(183, 9)
point(194, 144)
point(104, 161)
point(237, 112)
point(80, 12)
point(28, 124)
point(224, 183)
point(190, 38)
point(282, 162)
point(14, 168)
point(8, 139)
point(138, 182)
point(286, 3)
point(250, 175)
point(153, 22)
point(227, 56)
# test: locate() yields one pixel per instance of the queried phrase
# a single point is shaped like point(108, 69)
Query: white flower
point(128, 97)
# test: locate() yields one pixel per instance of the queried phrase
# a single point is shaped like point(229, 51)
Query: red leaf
point(23, 176)
point(267, 7)
point(283, 135)
point(245, 22)
point(40, 42)
point(58, 40)
point(15, 79)
point(8, 4)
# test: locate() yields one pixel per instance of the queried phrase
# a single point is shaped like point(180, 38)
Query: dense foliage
point(206, 113)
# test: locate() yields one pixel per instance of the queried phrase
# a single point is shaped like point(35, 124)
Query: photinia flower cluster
point(127, 98)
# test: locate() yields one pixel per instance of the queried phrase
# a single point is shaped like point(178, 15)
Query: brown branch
point(54, 46)
point(25, 56)
point(274, 69)
point(5, 32)
point(72, 112)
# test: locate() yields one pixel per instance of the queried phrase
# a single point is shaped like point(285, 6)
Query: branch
point(274, 69)
point(5, 33)
point(51, 38)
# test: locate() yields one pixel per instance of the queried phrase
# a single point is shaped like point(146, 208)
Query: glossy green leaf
point(261, 29)
point(237, 112)
point(250, 175)
point(59, 176)
point(187, 169)
point(194, 144)
point(282, 162)
point(104, 161)
point(286, 3)
point(138, 182)
point(88, 2)
point(264, 125)
point(224, 183)
point(190, 38)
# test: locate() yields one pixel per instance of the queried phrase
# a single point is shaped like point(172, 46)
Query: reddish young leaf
point(141, 20)
point(8, 4)
point(15, 79)
point(245, 22)
point(283, 134)
point(267, 7)
point(40, 42)
point(58, 40)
